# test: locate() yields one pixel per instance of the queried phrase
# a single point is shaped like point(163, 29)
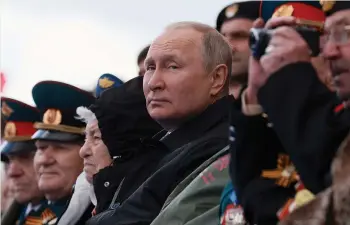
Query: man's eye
point(150, 67)
point(173, 67)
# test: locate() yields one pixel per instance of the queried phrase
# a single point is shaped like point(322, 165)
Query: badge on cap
point(10, 130)
point(327, 5)
point(52, 116)
point(105, 82)
point(284, 10)
point(231, 11)
point(6, 110)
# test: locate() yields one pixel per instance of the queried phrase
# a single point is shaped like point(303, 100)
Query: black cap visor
point(52, 135)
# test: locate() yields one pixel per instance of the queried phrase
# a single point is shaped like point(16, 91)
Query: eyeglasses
point(339, 35)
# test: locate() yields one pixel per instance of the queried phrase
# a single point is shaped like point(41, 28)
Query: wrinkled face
point(21, 174)
point(93, 150)
point(57, 165)
point(322, 66)
point(236, 31)
point(176, 84)
point(337, 51)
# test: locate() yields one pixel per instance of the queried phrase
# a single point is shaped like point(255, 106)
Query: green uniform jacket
point(196, 199)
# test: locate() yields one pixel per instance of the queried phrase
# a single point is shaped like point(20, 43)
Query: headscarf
point(123, 118)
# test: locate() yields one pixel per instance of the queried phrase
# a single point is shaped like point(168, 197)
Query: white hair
point(85, 115)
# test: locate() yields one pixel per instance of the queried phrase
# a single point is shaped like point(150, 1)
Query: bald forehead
point(339, 18)
point(179, 38)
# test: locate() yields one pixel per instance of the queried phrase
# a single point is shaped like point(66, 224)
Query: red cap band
point(306, 12)
point(24, 128)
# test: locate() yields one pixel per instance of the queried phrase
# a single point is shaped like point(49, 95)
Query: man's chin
point(49, 186)
point(22, 198)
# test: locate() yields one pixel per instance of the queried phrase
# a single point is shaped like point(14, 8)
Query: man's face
point(176, 84)
point(21, 174)
point(94, 151)
point(142, 68)
point(57, 166)
point(236, 31)
point(337, 51)
point(322, 66)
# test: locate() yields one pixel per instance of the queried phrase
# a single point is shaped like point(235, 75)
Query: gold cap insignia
point(6, 110)
point(285, 174)
point(105, 82)
point(52, 116)
point(284, 10)
point(327, 5)
point(231, 11)
point(10, 130)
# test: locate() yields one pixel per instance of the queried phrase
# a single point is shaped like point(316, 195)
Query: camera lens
point(253, 38)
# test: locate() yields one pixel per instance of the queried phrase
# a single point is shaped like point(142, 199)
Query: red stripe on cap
point(24, 128)
point(339, 108)
point(284, 211)
point(306, 12)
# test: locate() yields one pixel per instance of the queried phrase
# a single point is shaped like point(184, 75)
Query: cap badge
point(231, 11)
point(6, 110)
point(105, 82)
point(10, 130)
point(327, 5)
point(52, 116)
point(284, 10)
point(285, 174)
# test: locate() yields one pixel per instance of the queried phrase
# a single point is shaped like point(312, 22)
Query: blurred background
point(75, 41)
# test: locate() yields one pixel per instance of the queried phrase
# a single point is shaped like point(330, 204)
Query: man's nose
point(44, 158)
point(85, 150)
point(156, 81)
point(14, 170)
point(331, 50)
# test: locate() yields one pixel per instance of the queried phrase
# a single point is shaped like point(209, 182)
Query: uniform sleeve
point(301, 110)
point(256, 148)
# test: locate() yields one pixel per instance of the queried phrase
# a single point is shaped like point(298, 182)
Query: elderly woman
point(118, 156)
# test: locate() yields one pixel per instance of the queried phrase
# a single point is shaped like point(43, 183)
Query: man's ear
point(219, 79)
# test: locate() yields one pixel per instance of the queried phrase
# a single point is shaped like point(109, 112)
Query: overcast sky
point(75, 41)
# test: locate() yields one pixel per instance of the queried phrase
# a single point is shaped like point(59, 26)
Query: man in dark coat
point(186, 93)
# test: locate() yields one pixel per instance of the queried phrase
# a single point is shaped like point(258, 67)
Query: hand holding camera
point(282, 46)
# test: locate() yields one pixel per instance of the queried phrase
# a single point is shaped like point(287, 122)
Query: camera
point(259, 40)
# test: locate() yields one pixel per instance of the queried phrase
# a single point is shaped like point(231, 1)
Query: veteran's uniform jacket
point(301, 128)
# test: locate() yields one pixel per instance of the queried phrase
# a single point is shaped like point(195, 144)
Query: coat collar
point(199, 125)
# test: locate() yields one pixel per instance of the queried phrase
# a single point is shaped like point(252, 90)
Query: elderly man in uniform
point(18, 152)
point(332, 205)
point(186, 88)
point(302, 111)
point(234, 23)
point(58, 141)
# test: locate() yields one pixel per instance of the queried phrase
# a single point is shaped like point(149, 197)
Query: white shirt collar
point(30, 207)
